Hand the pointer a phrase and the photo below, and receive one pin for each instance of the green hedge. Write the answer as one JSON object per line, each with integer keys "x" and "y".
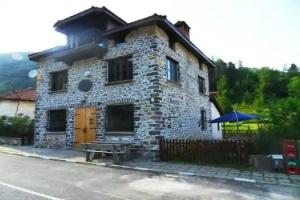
{"x": 17, "y": 126}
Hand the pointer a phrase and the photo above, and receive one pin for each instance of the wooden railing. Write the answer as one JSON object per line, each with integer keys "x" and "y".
{"x": 204, "y": 151}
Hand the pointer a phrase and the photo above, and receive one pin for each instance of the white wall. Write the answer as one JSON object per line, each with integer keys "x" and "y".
{"x": 217, "y": 132}
{"x": 8, "y": 108}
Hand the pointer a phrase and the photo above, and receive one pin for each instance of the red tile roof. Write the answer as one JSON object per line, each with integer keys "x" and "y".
{"x": 213, "y": 93}
{"x": 27, "y": 94}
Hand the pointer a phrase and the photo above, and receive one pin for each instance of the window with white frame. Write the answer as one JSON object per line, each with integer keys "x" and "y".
{"x": 172, "y": 70}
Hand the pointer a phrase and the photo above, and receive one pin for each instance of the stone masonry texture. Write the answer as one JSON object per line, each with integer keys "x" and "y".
{"x": 174, "y": 114}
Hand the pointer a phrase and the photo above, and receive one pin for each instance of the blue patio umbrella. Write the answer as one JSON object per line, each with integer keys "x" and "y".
{"x": 234, "y": 117}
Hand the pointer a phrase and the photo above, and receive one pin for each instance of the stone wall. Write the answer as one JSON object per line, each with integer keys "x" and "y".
{"x": 177, "y": 105}
{"x": 182, "y": 103}
{"x": 10, "y": 141}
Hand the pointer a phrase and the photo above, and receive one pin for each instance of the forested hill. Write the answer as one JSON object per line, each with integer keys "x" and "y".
{"x": 254, "y": 89}
{"x": 14, "y": 68}
{"x": 241, "y": 88}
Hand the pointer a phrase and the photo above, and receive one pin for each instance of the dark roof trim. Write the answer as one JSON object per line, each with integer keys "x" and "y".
{"x": 60, "y": 23}
{"x": 154, "y": 19}
{"x": 188, "y": 44}
{"x": 36, "y": 56}
{"x": 166, "y": 25}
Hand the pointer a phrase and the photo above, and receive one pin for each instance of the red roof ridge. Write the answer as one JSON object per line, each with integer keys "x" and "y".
{"x": 27, "y": 94}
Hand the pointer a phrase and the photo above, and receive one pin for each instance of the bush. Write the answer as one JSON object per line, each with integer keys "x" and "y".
{"x": 16, "y": 126}
{"x": 284, "y": 125}
{"x": 267, "y": 142}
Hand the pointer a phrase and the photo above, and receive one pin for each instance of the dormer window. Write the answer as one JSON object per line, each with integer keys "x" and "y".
{"x": 89, "y": 36}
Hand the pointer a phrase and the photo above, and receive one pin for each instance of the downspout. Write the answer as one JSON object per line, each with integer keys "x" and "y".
{"x": 18, "y": 96}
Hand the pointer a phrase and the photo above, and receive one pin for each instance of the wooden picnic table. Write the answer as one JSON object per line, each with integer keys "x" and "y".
{"x": 119, "y": 151}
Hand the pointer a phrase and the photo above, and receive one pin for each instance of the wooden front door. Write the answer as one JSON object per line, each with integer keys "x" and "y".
{"x": 85, "y": 126}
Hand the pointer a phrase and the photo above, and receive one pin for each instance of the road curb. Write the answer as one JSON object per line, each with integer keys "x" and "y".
{"x": 142, "y": 169}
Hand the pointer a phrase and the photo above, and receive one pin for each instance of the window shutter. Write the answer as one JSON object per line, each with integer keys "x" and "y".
{"x": 178, "y": 73}
{"x": 205, "y": 121}
{"x": 129, "y": 69}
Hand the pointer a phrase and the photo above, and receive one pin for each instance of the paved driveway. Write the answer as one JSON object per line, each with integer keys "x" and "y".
{"x": 31, "y": 178}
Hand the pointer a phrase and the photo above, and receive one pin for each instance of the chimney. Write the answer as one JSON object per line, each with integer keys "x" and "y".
{"x": 183, "y": 28}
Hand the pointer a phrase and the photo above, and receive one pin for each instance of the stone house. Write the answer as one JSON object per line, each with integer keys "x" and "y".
{"x": 113, "y": 80}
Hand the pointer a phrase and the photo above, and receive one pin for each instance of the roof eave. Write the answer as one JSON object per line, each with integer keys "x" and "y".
{"x": 60, "y": 23}
{"x": 38, "y": 55}
{"x": 166, "y": 24}
{"x": 189, "y": 43}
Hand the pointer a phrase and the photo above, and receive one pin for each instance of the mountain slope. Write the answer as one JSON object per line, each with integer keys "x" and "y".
{"x": 14, "y": 68}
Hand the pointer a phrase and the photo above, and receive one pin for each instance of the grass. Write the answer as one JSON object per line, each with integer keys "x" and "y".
{"x": 242, "y": 126}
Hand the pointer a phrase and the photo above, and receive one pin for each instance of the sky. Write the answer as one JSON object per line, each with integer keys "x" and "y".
{"x": 256, "y": 32}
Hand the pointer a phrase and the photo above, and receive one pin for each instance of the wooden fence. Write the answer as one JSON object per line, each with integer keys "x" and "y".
{"x": 240, "y": 135}
{"x": 205, "y": 151}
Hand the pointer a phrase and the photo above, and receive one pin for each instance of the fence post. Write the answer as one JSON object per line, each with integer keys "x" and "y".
{"x": 161, "y": 150}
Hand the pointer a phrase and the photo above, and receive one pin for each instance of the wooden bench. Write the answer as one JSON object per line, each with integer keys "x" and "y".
{"x": 118, "y": 151}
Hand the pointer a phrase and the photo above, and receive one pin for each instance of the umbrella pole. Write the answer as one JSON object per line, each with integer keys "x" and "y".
{"x": 237, "y": 122}
{"x": 224, "y": 133}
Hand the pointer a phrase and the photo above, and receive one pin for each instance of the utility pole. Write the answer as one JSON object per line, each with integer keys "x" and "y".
{"x": 15, "y": 92}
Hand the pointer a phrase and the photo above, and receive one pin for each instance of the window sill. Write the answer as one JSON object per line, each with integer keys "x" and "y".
{"x": 58, "y": 91}
{"x": 119, "y": 133}
{"x": 55, "y": 132}
{"x": 173, "y": 83}
{"x": 118, "y": 82}
{"x": 203, "y": 94}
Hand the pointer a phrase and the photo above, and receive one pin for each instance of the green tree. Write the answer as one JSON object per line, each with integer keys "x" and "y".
{"x": 285, "y": 117}
{"x": 293, "y": 68}
{"x": 293, "y": 71}
{"x": 272, "y": 84}
{"x": 223, "y": 95}
{"x": 294, "y": 87}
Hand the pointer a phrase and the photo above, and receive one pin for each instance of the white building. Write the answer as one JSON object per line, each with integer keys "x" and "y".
{"x": 21, "y": 102}
{"x": 215, "y": 113}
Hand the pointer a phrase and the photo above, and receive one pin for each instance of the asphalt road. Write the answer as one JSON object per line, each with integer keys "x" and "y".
{"x": 35, "y": 179}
